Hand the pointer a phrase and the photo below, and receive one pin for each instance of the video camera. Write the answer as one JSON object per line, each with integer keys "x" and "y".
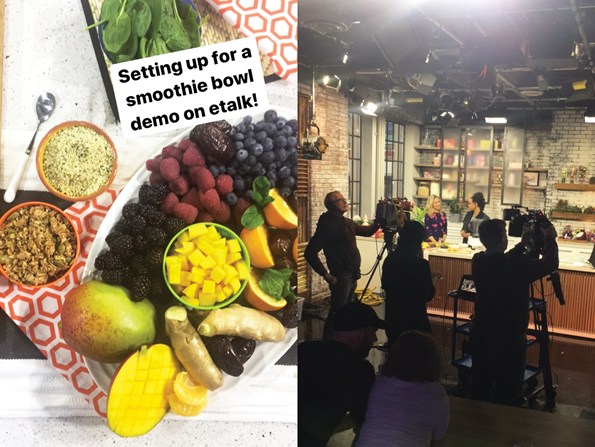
{"x": 535, "y": 246}
{"x": 391, "y": 214}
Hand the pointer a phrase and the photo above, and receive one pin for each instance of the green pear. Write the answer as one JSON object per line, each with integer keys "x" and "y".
{"x": 103, "y": 323}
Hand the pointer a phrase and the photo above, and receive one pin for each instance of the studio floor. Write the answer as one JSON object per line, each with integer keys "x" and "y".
{"x": 572, "y": 360}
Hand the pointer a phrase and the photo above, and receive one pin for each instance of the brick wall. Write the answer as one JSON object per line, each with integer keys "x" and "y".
{"x": 332, "y": 172}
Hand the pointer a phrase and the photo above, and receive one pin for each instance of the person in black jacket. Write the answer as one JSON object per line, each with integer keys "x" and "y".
{"x": 408, "y": 283}
{"x": 334, "y": 376}
{"x": 498, "y": 328}
{"x": 474, "y": 217}
{"x": 336, "y": 236}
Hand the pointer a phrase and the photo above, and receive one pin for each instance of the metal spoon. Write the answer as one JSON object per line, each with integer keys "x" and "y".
{"x": 44, "y": 107}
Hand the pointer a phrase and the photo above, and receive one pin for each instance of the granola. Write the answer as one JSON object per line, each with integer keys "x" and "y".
{"x": 37, "y": 245}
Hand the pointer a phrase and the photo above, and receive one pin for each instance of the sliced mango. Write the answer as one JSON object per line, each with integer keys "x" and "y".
{"x": 233, "y": 257}
{"x": 174, "y": 273}
{"x": 234, "y": 246}
{"x": 243, "y": 271}
{"x": 208, "y": 263}
{"x": 205, "y": 247}
{"x": 217, "y": 274}
{"x": 213, "y": 233}
{"x": 207, "y": 299}
{"x": 197, "y": 230}
{"x": 196, "y": 257}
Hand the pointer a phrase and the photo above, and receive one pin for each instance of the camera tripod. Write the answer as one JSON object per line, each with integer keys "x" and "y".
{"x": 386, "y": 246}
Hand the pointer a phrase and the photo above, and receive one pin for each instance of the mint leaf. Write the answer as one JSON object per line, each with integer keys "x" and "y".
{"x": 288, "y": 293}
{"x": 273, "y": 283}
{"x": 257, "y": 198}
{"x": 267, "y": 200}
{"x": 252, "y": 218}
{"x": 262, "y": 186}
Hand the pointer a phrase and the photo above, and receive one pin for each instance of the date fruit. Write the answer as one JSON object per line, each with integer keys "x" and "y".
{"x": 243, "y": 348}
{"x": 223, "y": 355}
{"x": 290, "y": 315}
{"x": 280, "y": 243}
{"x": 214, "y": 142}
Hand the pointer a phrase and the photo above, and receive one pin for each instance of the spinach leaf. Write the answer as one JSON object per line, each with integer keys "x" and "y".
{"x": 201, "y": 23}
{"x": 143, "y": 44}
{"x": 253, "y": 217}
{"x": 123, "y": 58}
{"x": 117, "y": 31}
{"x": 156, "y": 15}
{"x": 130, "y": 6}
{"x": 158, "y": 47}
{"x": 128, "y": 51}
{"x": 191, "y": 27}
{"x": 142, "y": 19}
{"x": 174, "y": 34}
{"x": 109, "y": 10}
{"x": 167, "y": 7}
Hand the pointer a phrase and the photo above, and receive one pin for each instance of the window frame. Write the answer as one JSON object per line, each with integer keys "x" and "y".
{"x": 397, "y": 165}
{"x": 355, "y": 203}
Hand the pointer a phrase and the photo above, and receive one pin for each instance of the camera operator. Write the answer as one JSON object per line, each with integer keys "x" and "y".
{"x": 498, "y": 328}
{"x": 336, "y": 236}
{"x": 474, "y": 217}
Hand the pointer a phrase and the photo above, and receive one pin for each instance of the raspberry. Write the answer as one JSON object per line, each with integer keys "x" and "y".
{"x": 223, "y": 214}
{"x": 153, "y": 164}
{"x": 240, "y": 207}
{"x": 204, "y": 216}
{"x": 192, "y": 198}
{"x": 224, "y": 184}
{"x": 180, "y": 185}
{"x": 185, "y": 144}
{"x": 167, "y": 206}
{"x": 185, "y": 212}
{"x": 203, "y": 179}
{"x": 210, "y": 200}
{"x": 193, "y": 157}
{"x": 172, "y": 152}
{"x": 157, "y": 179}
{"x": 170, "y": 169}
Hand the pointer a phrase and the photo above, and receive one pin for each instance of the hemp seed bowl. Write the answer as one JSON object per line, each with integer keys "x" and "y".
{"x": 39, "y": 244}
{"x": 76, "y": 161}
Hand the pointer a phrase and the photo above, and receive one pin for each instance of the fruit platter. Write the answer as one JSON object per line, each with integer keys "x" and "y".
{"x": 189, "y": 290}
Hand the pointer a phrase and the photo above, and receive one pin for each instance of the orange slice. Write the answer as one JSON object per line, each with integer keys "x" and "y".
{"x": 257, "y": 244}
{"x": 183, "y": 409}
{"x": 279, "y": 214}
{"x": 187, "y": 391}
{"x": 258, "y": 297}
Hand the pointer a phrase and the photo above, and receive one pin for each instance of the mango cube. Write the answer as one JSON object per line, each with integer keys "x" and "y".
{"x": 243, "y": 272}
{"x": 230, "y": 272}
{"x": 196, "y": 257}
{"x": 192, "y": 301}
{"x": 213, "y": 233}
{"x": 207, "y": 299}
{"x": 187, "y": 248}
{"x": 205, "y": 247}
{"x": 183, "y": 262}
{"x": 219, "y": 294}
{"x": 235, "y": 285}
{"x": 234, "y": 246}
{"x": 208, "y": 263}
{"x": 219, "y": 243}
{"x": 196, "y": 278}
{"x": 197, "y": 230}
{"x": 191, "y": 290}
{"x": 208, "y": 286}
{"x": 184, "y": 281}
{"x": 173, "y": 273}
{"x": 220, "y": 255}
{"x": 178, "y": 289}
{"x": 228, "y": 291}
{"x": 217, "y": 274}
{"x": 233, "y": 257}
{"x": 171, "y": 260}
{"x": 184, "y": 237}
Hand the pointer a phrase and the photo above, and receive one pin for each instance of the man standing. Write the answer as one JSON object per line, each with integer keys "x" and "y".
{"x": 334, "y": 377}
{"x": 498, "y": 328}
{"x": 474, "y": 217}
{"x": 335, "y": 235}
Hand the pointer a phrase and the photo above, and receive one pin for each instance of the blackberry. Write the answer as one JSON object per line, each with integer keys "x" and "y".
{"x": 158, "y": 193}
{"x": 123, "y": 226}
{"x": 130, "y": 210}
{"x": 144, "y": 194}
{"x": 112, "y": 237}
{"x": 146, "y": 210}
{"x": 156, "y": 236}
{"x": 173, "y": 225}
{"x": 113, "y": 277}
{"x": 155, "y": 217}
{"x": 127, "y": 276}
{"x": 139, "y": 265}
{"x": 141, "y": 288}
{"x": 101, "y": 260}
{"x": 108, "y": 261}
{"x": 122, "y": 246}
{"x": 154, "y": 257}
{"x": 140, "y": 243}
{"x": 139, "y": 224}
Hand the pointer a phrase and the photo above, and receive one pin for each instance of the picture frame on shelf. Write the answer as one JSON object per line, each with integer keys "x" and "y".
{"x": 531, "y": 178}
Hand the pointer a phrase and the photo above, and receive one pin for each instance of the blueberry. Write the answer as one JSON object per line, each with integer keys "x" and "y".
{"x": 248, "y": 194}
{"x": 238, "y": 136}
{"x": 279, "y": 133}
{"x": 289, "y": 181}
{"x": 231, "y": 198}
{"x": 251, "y": 160}
{"x": 259, "y": 136}
{"x": 270, "y": 116}
{"x": 251, "y": 127}
{"x": 238, "y": 145}
{"x": 231, "y": 171}
{"x": 247, "y": 119}
{"x": 242, "y": 155}
{"x": 249, "y": 142}
{"x": 241, "y": 128}
{"x": 231, "y": 132}
{"x": 281, "y": 155}
{"x": 222, "y": 169}
{"x": 293, "y": 159}
{"x": 280, "y": 141}
{"x": 257, "y": 150}
{"x": 281, "y": 122}
{"x": 284, "y": 171}
{"x": 259, "y": 126}
{"x": 292, "y": 141}
{"x": 239, "y": 184}
{"x": 287, "y": 130}
{"x": 262, "y": 171}
{"x": 248, "y": 179}
{"x": 250, "y": 134}
{"x": 293, "y": 124}
{"x": 267, "y": 157}
{"x": 285, "y": 191}
{"x": 267, "y": 144}
{"x": 214, "y": 170}
{"x": 273, "y": 166}
{"x": 235, "y": 163}
{"x": 244, "y": 169}
{"x": 294, "y": 171}
{"x": 256, "y": 168}
{"x": 272, "y": 176}
{"x": 292, "y": 150}
{"x": 270, "y": 128}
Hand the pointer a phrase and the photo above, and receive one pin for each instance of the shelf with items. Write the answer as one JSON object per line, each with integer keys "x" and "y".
{"x": 426, "y": 179}
{"x": 415, "y": 196}
{"x": 536, "y": 170}
{"x": 536, "y": 188}
{"x": 426, "y": 165}
{"x": 574, "y": 216}
{"x": 574, "y": 186}
{"x": 513, "y": 158}
{"x": 426, "y": 148}
{"x": 478, "y": 160}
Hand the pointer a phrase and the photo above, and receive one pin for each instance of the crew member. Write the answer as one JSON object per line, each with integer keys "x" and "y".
{"x": 335, "y": 235}
{"x": 334, "y": 376}
{"x": 474, "y": 217}
{"x": 498, "y": 328}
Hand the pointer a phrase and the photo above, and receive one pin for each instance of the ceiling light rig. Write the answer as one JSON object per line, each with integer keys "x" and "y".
{"x": 345, "y": 57}
{"x": 369, "y": 108}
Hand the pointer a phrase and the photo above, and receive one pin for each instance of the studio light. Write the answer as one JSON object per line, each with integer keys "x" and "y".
{"x": 345, "y": 57}
{"x": 326, "y": 79}
{"x": 590, "y": 115}
{"x": 332, "y": 82}
{"x": 369, "y": 108}
{"x": 496, "y": 120}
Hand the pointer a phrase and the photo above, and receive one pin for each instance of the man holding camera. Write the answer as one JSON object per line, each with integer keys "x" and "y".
{"x": 335, "y": 235}
{"x": 498, "y": 328}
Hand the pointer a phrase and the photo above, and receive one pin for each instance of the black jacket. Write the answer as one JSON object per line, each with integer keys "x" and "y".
{"x": 467, "y": 220}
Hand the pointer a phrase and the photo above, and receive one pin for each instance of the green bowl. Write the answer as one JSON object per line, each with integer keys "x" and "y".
{"x": 227, "y": 234}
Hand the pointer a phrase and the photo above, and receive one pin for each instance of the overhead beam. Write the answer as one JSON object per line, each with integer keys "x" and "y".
{"x": 581, "y": 30}
{"x": 514, "y": 88}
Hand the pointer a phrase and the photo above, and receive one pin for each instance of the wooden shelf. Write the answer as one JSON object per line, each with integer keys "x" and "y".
{"x": 574, "y": 216}
{"x": 421, "y": 197}
{"x": 496, "y": 168}
{"x": 426, "y": 148}
{"x": 496, "y": 185}
{"x": 536, "y": 170}
{"x": 498, "y": 150}
{"x": 422, "y": 165}
{"x": 479, "y": 150}
{"x": 536, "y": 188}
{"x": 574, "y": 186}
{"x": 424, "y": 179}
{"x": 479, "y": 167}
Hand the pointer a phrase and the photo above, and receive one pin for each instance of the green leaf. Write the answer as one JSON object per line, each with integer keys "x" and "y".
{"x": 261, "y": 185}
{"x": 143, "y": 44}
{"x": 128, "y": 51}
{"x": 252, "y": 218}
{"x": 288, "y": 294}
{"x": 117, "y": 32}
{"x": 156, "y": 14}
{"x": 267, "y": 200}
{"x": 191, "y": 27}
{"x": 274, "y": 282}
{"x": 257, "y": 198}
{"x": 130, "y": 4}
{"x": 201, "y": 23}
{"x": 142, "y": 18}
{"x": 174, "y": 35}
{"x": 110, "y": 10}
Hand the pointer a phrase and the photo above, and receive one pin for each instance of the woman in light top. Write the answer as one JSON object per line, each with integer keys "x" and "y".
{"x": 435, "y": 221}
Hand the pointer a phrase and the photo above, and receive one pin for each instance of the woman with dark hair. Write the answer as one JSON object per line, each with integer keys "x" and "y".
{"x": 474, "y": 217}
{"x": 407, "y": 407}
{"x": 408, "y": 283}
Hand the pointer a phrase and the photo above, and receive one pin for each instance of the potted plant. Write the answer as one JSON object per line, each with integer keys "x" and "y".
{"x": 455, "y": 211}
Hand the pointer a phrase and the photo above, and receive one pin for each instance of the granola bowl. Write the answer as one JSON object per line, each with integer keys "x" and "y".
{"x": 39, "y": 245}
{"x": 76, "y": 161}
